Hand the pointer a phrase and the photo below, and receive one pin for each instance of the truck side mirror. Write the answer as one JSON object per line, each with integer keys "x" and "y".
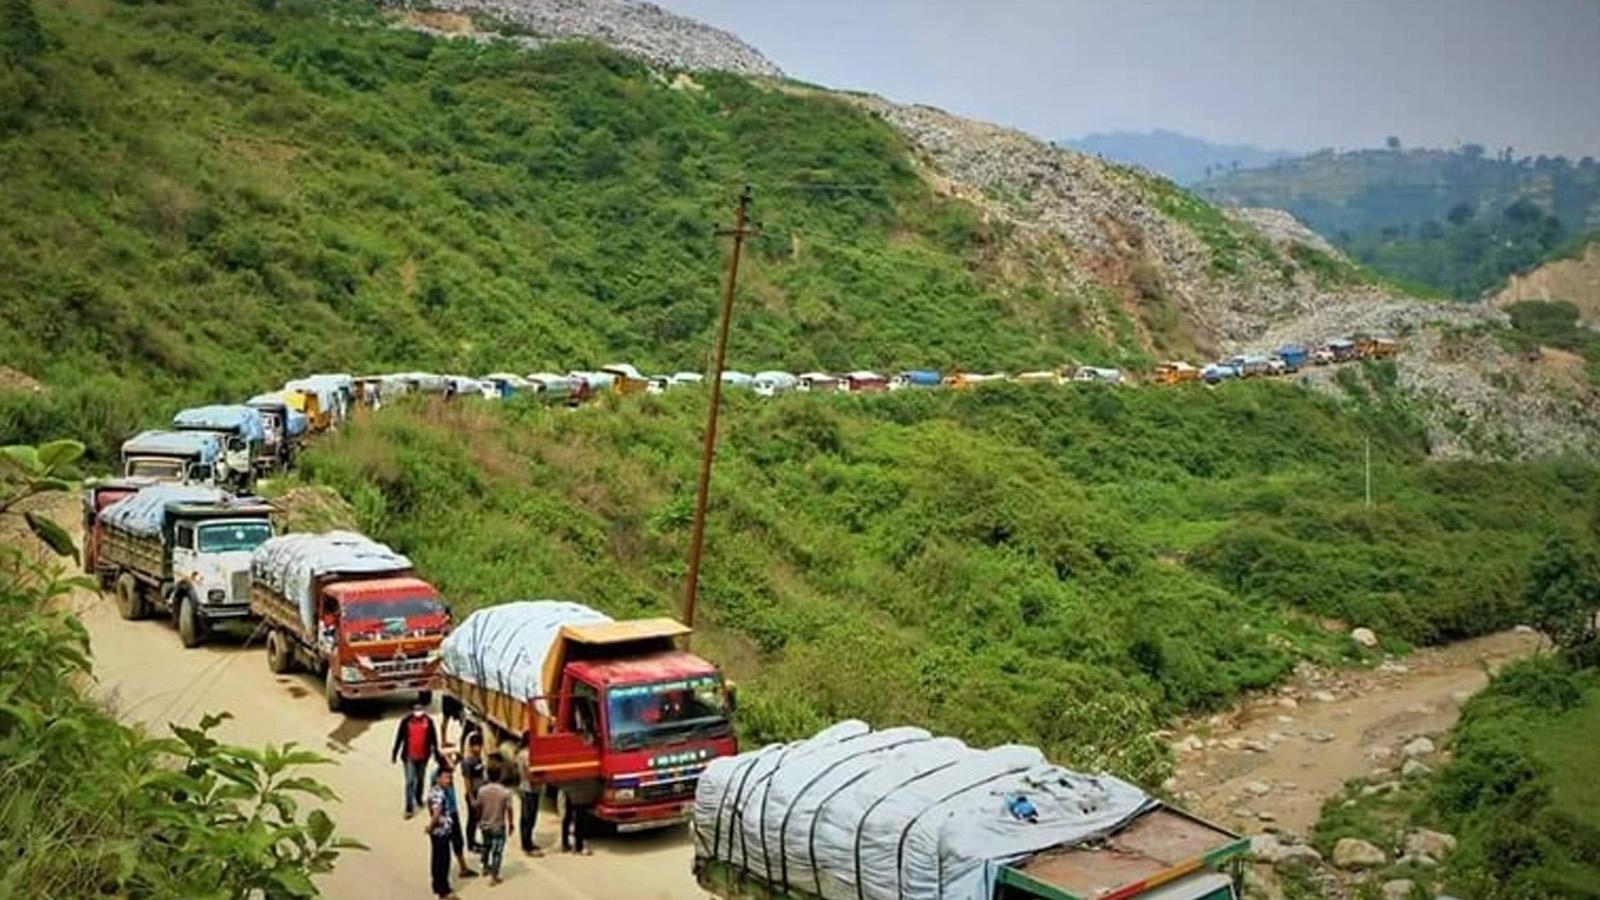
{"x": 733, "y": 698}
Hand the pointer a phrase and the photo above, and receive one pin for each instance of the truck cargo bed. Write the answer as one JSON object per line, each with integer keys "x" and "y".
{"x": 1155, "y": 844}
{"x": 500, "y": 709}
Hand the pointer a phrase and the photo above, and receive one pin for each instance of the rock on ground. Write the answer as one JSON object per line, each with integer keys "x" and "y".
{"x": 1415, "y": 769}
{"x": 1398, "y": 889}
{"x": 1365, "y": 637}
{"x": 1434, "y": 844}
{"x": 1354, "y": 853}
{"x": 1418, "y": 748}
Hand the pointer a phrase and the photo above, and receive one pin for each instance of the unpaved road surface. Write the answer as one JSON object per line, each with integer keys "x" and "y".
{"x": 1325, "y": 728}
{"x": 147, "y": 676}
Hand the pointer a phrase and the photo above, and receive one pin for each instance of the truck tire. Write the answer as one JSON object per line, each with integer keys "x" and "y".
{"x": 330, "y": 689}
{"x": 279, "y": 659}
{"x": 191, "y": 631}
{"x": 130, "y": 600}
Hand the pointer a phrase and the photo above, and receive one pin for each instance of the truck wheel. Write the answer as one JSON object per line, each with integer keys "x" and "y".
{"x": 330, "y": 687}
{"x": 279, "y": 659}
{"x": 191, "y": 631}
{"x": 130, "y": 602}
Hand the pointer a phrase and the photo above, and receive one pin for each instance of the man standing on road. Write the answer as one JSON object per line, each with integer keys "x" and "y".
{"x": 579, "y": 797}
{"x": 456, "y": 844}
{"x": 438, "y": 830}
{"x": 494, "y": 803}
{"x": 472, "y": 767}
{"x": 450, "y": 709}
{"x": 528, "y": 790}
{"x": 419, "y": 742}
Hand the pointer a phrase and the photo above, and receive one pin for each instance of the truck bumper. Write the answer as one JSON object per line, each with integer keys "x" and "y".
{"x": 239, "y": 613}
{"x": 360, "y": 690}
{"x": 645, "y": 817}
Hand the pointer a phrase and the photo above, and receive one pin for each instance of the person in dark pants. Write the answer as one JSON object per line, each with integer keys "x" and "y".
{"x": 454, "y": 808}
{"x": 418, "y": 740}
{"x": 439, "y": 828}
{"x": 528, "y": 790}
{"x": 580, "y": 797}
{"x": 472, "y": 769}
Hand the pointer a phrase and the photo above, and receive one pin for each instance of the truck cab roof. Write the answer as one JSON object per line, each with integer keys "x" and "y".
{"x": 237, "y": 508}
{"x": 382, "y": 588}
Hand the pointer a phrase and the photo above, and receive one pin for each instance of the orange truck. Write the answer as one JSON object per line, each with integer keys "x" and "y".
{"x": 591, "y": 698}
{"x": 350, "y": 609}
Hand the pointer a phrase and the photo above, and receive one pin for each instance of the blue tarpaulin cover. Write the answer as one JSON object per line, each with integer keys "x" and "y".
{"x": 245, "y": 420}
{"x": 897, "y": 814}
{"x": 143, "y": 513}
{"x": 295, "y": 422}
{"x": 205, "y": 447}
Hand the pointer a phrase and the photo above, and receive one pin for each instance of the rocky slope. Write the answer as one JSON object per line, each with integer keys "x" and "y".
{"x": 641, "y": 29}
{"x": 1241, "y": 285}
{"x": 1576, "y": 281}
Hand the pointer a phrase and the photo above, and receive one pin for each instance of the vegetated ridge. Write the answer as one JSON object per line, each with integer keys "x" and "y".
{"x": 344, "y": 195}
{"x": 1458, "y": 222}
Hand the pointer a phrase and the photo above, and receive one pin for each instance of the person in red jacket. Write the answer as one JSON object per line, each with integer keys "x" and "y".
{"x": 418, "y": 742}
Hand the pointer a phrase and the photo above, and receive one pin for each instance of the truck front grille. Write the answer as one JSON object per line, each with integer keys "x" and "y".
{"x": 241, "y": 587}
{"x": 400, "y": 668}
{"x": 668, "y": 790}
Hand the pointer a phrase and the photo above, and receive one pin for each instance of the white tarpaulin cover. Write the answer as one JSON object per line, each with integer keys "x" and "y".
{"x": 898, "y": 814}
{"x": 291, "y": 563}
{"x": 143, "y": 513}
{"x": 504, "y": 647}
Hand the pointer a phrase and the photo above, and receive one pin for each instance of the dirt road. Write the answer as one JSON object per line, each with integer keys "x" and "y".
{"x": 147, "y": 676}
{"x": 1274, "y": 761}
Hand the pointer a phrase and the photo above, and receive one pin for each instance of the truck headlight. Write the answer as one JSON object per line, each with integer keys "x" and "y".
{"x": 216, "y": 595}
{"x": 350, "y": 674}
{"x": 622, "y": 794}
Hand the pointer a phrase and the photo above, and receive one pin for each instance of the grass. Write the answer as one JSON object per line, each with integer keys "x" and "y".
{"x": 1066, "y": 567}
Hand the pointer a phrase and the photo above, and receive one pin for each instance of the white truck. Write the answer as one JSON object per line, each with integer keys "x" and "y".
{"x": 181, "y": 549}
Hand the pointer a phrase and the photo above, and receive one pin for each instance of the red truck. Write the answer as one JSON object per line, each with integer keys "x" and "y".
{"x": 593, "y": 698}
{"x": 351, "y": 610}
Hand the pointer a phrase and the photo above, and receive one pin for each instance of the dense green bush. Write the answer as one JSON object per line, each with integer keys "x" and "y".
{"x": 90, "y": 807}
{"x": 1012, "y": 563}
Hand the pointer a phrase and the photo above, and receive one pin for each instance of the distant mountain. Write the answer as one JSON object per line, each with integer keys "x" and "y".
{"x": 1182, "y": 158}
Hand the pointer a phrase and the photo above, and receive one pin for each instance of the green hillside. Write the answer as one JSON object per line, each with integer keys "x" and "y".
{"x": 206, "y": 198}
{"x": 1458, "y": 221}
{"x": 1065, "y": 567}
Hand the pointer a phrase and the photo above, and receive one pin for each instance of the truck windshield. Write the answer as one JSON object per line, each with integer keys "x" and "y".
{"x": 666, "y": 712}
{"x": 160, "y": 469}
{"x": 380, "y": 610}
{"x": 229, "y": 537}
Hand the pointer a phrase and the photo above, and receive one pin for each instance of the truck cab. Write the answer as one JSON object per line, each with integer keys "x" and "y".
{"x": 644, "y": 723}
{"x": 210, "y": 555}
{"x": 173, "y": 457}
{"x": 381, "y": 634}
{"x": 242, "y": 432}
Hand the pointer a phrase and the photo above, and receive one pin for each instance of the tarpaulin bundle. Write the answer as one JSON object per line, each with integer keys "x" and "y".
{"x": 504, "y": 647}
{"x": 290, "y": 564}
{"x": 898, "y": 814}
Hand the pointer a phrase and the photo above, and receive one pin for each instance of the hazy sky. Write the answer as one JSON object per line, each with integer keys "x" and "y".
{"x": 1291, "y": 74}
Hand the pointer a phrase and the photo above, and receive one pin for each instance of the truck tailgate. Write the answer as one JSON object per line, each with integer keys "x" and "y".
{"x": 1158, "y": 847}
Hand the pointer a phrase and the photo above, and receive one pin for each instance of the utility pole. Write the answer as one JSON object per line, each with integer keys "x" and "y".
{"x": 697, "y": 539}
{"x": 1369, "y": 471}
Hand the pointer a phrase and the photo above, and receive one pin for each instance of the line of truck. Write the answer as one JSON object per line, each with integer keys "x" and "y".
{"x": 617, "y": 703}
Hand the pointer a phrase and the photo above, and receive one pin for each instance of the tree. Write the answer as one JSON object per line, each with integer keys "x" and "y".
{"x": 1393, "y": 143}
{"x": 1460, "y": 214}
{"x": 188, "y": 816}
{"x": 1472, "y": 151}
{"x": 1563, "y": 591}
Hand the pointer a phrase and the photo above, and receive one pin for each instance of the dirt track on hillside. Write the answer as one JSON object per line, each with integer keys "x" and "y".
{"x": 1326, "y": 728}
{"x": 146, "y": 676}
